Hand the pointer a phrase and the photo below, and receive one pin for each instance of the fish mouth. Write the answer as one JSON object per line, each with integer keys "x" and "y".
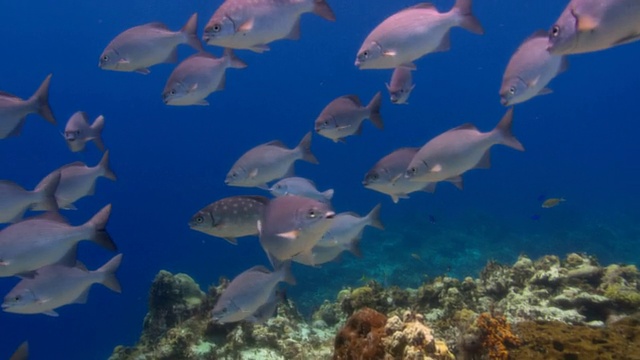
{"x": 5, "y": 306}
{"x": 504, "y": 101}
{"x": 394, "y": 100}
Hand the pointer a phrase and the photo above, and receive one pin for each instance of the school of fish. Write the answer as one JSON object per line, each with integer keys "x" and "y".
{"x": 299, "y": 224}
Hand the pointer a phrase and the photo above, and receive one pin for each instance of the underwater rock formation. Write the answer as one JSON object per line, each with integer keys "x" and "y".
{"x": 543, "y": 309}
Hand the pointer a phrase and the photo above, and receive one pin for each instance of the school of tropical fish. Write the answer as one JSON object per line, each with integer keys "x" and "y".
{"x": 299, "y": 224}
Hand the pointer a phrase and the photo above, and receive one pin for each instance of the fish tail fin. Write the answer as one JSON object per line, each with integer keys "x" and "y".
{"x": 305, "y": 148}
{"x": 374, "y": 111}
{"x": 99, "y": 223}
{"x": 40, "y": 101}
{"x": 234, "y": 61}
{"x": 374, "y": 217}
{"x": 106, "y": 168}
{"x": 190, "y": 31}
{"x": 285, "y": 268}
{"x": 98, "y": 126}
{"x": 322, "y": 9}
{"x": 108, "y": 271}
{"x": 468, "y": 20}
{"x": 504, "y": 131}
{"x": 48, "y": 200}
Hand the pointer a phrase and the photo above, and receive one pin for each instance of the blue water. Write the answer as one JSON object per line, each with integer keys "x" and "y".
{"x": 581, "y": 144}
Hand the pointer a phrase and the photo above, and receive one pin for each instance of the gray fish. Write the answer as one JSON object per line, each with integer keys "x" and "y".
{"x": 45, "y": 239}
{"x": 268, "y": 162}
{"x": 344, "y": 234}
{"x": 252, "y": 24}
{"x": 14, "y": 110}
{"x": 231, "y": 217}
{"x": 146, "y": 45}
{"x": 593, "y": 25}
{"x": 301, "y": 187}
{"x": 530, "y": 69}
{"x": 452, "y": 153}
{"x": 387, "y": 176}
{"x": 248, "y": 292}
{"x": 197, "y": 77}
{"x": 77, "y": 181}
{"x": 412, "y": 33}
{"x": 15, "y": 200}
{"x": 57, "y": 285}
{"x": 344, "y": 116}
{"x": 291, "y": 226}
{"x": 401, "y": 85}
{"x": 78, "y": 132}
{"x": 22, "y": 353}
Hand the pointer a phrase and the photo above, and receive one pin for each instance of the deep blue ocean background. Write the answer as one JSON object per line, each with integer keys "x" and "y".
{"x": 581, "y": 143}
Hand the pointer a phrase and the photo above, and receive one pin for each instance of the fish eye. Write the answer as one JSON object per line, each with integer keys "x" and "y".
{"x": 512, "y": 90}
{"x": 199, "y": 219}
{"x": 555, "y": 31}
{"x": 173, "y": 92}
{"x": 77, "y": 132}
{"x": 216, "y": 28}
{"x": 105, "y": 58}
{"x": 401, "y": 90}
{"x": 413, "y": 170}
{"x": 17, "y": 298}
{"x": 311, "y": 214}
{"x": 365, "y": 53}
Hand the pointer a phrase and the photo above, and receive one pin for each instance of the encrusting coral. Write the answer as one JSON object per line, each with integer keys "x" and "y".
{"x": 551, "y": 308}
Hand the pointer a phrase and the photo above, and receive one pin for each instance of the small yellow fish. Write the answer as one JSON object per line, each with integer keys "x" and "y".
{"x": 549, "y": 203}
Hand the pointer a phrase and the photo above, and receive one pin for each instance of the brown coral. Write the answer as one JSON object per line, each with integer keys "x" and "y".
{"x": 496, "y": 335}
{"x": 361, "y": 337}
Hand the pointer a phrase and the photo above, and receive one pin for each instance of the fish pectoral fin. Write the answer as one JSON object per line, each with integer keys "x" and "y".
{"x": 291, "y": 235}
{"x": 202, "y": 102}
{"x": 143, "y": 71}
{"x": 43, "y": 301}
{"x": 246, "y": 26}
{"x": 545, "y": 91}
{"x": 533, "y": 82}
{"x": 51, "y": 313}
{"x": 436, "y": 168}
{"x": 396, "y": 178}
{"x": 193, "y": 87}
{"x": 389, "y": 53}
{"x": 123, "y": 61}
{"x": 586, "y": 22}
{"x": 259, "y": 226}
{"x": 259, "y": 48}
{"x": 253, "y": 173}
{"x": 231, "y": 240}
{"x": 4, "y": 263}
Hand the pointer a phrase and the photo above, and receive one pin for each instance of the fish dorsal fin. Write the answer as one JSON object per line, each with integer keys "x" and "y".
{"x": 277, "y": 143}
{"x": 155, "y": 25}
{"x": 260, "y": 268}
{"x": 467, "y": 126}
{"x": 353, "y": 98}
{"x": 421, "y": 6}
{"x": 10, "y": 183}
{"x": 9, "y": 95}
{"x": 50, "y": 216}
{"x": 73, "y": 164}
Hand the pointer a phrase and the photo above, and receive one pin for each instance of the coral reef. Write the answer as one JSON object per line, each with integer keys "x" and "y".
{"x": 570, "y": 308}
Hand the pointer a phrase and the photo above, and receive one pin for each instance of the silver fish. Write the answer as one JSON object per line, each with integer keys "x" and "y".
{"x": 452, "y": 153}
{"x": 248, "y": 292}
{"x": 387, "y": 176}
{"x": 146, "y": 45}
{"x": 412, "y": 33}
{"x": 344, "y": 234}
{"x": 252, "y": 24}
{"x": 57, "y": 285}
{"x": 530, "y": 69}
{"x": 45, "y": 239}
{"x": 197, "y": 77}
{"x": 593, "y": 25}
{"x": 22, "y": 353}
{"x": 15, "y": 200}
{"x": 291, "y": 226}
{"x": 401, "y": 85}
{"x": 14, "y": 110}
{"x": 78, "y": 180}
{"x": 268, "y": 162}
{"x": 301, "y": 187}
{"x": 78, "y": 132}
{"x": 231, "y": 217}
{"x": 344, "y": 116}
